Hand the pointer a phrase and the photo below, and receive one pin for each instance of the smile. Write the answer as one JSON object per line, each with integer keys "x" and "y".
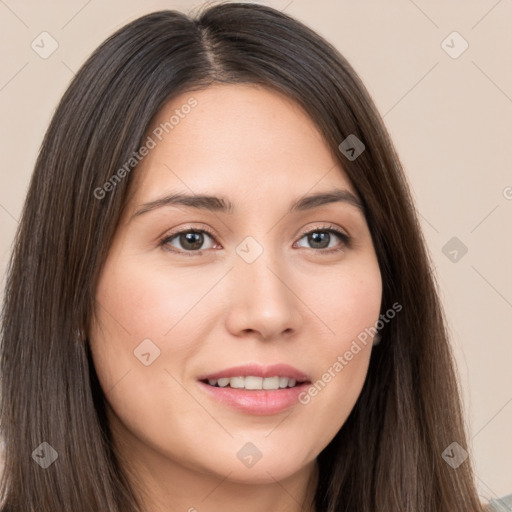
{"x": 253, "y": 382}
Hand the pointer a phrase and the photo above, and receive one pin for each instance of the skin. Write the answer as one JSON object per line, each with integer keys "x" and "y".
{"x": 208, "y": 311}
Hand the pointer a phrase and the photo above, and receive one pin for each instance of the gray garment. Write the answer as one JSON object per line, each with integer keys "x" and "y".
{"x": 500, "y": 505}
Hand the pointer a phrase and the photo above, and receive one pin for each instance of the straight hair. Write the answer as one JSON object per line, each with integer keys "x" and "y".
{"x": 388, "y": 454}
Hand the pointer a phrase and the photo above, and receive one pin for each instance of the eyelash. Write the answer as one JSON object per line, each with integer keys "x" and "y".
{"x": 328, "y": 228}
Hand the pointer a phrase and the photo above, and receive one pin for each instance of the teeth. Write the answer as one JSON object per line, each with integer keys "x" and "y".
{"x": 251, "y": 382}
{"x": 271, "y": 383}
{"x": 223, "y": 382}
{"x": 237, "y": 382}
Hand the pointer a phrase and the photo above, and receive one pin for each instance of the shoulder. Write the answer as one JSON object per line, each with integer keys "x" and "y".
{"x": 500, "y": 505}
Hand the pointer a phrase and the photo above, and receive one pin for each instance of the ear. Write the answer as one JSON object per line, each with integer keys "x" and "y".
{"x": 377, "y": 339}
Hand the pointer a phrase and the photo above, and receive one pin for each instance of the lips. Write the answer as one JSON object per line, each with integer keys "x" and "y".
{"x": 254, "y": 389}
{"x": 253, "y": 370}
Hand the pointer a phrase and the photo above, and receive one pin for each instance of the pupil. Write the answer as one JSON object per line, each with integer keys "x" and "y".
{"x": 193, "y": 240}
{"x": 318, "y": 238}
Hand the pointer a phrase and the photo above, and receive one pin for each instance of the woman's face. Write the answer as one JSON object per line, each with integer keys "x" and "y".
{"x": 266, "y": 287}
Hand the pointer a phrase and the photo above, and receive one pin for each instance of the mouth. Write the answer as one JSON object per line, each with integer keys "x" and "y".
{"x": 253, "y": 382}
{"x": 256, "y": 390}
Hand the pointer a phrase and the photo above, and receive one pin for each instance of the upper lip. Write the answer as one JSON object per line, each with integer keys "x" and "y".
{"x": 273, "y": 370}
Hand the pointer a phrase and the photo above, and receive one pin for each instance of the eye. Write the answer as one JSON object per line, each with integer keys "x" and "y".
{"x": 321, "y": 238}
{"x": 191, "y": 240}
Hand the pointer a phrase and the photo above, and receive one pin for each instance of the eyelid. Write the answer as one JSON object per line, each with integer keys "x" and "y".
{"x": 327, "y": 227}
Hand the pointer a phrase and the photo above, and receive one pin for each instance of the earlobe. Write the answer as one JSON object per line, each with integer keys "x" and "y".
{"x": 377, "y": 339}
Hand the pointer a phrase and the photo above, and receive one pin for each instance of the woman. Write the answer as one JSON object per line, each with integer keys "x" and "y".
{"x": 219, "y": 295}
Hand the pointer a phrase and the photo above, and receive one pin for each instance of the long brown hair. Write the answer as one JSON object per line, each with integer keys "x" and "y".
{"x": 388, "y": 454}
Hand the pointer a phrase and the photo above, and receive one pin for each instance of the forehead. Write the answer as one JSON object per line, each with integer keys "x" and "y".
{"x": 237, "y": 140}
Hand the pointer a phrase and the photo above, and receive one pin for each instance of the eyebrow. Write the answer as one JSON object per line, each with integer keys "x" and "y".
{"x": 224, "y": 205}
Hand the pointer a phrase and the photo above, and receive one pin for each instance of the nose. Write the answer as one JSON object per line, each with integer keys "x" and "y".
{"x": 262, "y": 302}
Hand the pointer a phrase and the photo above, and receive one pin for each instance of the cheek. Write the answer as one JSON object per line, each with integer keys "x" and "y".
{"x": 137, "y": 305}
{"x": 347, "y": 301}
{"x": 356, "y": 303}
{"x": 348, "y": 304}
{"x": 138, "y": 301}
{"x": 135, "y": 308}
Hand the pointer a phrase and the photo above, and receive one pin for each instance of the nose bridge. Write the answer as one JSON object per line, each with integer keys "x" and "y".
{"x": 261, "y": 298}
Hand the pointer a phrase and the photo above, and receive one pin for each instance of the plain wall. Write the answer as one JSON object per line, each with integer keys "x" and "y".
{"x": 450, "y": 119}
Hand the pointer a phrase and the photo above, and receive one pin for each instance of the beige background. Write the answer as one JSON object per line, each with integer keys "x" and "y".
{"x": 450, "y": 118}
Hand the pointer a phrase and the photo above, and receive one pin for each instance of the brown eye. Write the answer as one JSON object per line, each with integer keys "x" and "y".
{"x": 190, "y": 240}
{"x": 325, "y": 238}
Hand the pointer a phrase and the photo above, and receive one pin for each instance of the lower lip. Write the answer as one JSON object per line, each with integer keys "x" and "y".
{"x": 259, "y": 401}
